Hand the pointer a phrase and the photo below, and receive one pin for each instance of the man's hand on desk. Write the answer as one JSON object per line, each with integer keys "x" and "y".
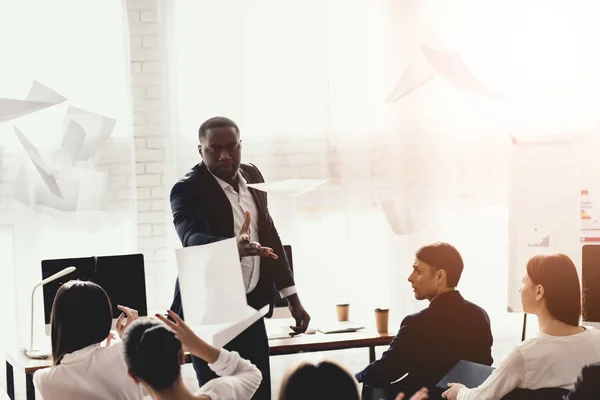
{"x": 299, "y": 313}
{"x": 247, "y": 248}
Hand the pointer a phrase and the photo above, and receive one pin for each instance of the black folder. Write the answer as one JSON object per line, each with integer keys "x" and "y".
{"x": 468, "y": 373}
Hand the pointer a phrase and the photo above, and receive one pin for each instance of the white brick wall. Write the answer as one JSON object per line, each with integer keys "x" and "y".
{"x": 149, "y": 134}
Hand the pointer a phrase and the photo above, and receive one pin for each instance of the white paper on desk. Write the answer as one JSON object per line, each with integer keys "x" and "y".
{"x": 451, "y": 67}
{"x": 289, "y": 187}
{"x": 412, "y": 79}
{"x": 97, "y": 128}
{"x": 39, "y": 163}
{"x": 38, "y": 98}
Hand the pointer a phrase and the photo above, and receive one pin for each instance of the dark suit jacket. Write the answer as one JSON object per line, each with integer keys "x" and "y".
{"x": 429, "y": 343}
{"x": 587, "y": 385}
{"x": 202, "y": 214}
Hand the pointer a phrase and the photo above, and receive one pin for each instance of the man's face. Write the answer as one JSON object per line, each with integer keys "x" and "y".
{"x": 221, "y": 151}
{"x": 424, "y": 280}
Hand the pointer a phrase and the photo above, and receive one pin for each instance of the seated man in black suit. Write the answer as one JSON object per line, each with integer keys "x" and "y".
{"x": 429, "y": 343}
{"x": 587, "y": 385}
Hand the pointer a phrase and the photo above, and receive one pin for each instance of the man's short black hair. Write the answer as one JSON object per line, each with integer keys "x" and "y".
{"x": 444, "y": 256}
{"x": 216, "y": 122}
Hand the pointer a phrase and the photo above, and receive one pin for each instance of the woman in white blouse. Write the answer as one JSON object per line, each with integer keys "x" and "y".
{"x": 554, "y": 358}
{"x": 154, "y": 354}
{"x": 81, "y": 319}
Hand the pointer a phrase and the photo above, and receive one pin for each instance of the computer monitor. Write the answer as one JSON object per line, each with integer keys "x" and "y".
{"x": 121, "y": 276}
{"x": 590, "y": 276}
{"x": 277, "y": 300}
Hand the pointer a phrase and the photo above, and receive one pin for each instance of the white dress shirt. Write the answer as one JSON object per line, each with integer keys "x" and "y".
{"x": 240, "y": 203}
{"x": 238, "y": 378}
{"x": 541, "y": 362}
{"x": 92, "y": 373}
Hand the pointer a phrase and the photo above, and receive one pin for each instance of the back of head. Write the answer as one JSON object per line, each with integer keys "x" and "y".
{"x": 325, "y": 380}
{"x": 444, "y": 256}
{"x": 152, "y": 353}
{"x": 81, "y": 316}
{"x": 557, "y": 274}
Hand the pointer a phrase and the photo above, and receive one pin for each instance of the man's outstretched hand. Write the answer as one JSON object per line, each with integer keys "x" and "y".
{"x": 247, "y": 248}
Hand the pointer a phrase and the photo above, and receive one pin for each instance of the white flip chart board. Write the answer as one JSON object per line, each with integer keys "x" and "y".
{"x": 544, "y": 205}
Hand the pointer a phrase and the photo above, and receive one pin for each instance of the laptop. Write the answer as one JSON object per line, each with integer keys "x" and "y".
{"x": 468, "y": 373}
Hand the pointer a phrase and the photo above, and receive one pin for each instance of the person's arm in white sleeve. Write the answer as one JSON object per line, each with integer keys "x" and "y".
{"x": 509, "y": 375}
{"x": 239, "y": 378}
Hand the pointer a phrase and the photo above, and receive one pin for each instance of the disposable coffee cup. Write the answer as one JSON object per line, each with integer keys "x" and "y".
{"x": 382, "y": 316}
{"x": 343, "y": 312}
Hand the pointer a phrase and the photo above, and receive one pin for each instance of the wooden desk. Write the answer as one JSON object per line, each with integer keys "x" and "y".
{"x": 294, "y": 345}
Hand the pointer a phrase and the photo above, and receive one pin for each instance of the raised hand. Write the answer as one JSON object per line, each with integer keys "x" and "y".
{"x": 189, "y": 340}
{"x": 128, "y": 315}
{"x": 247, "y": 248}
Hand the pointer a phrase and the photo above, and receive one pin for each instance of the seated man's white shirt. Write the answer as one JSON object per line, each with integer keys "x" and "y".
{"x": 92, "y": 373}
{"x": 240, "y": 203}
{"x": 239, "y": 378}
{"x": 541, "y": 362}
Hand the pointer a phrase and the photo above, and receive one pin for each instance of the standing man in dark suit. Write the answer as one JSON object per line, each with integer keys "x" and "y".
{"x": 213, "y": 202}
{"x": 429, "y": 343}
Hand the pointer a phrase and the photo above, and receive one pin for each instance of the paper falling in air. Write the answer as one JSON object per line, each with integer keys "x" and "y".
{"x": 23, "y": 191}
{"x": 412, "y": 79}
{"x": 400, "y": 215}
{"x": 68, "y": 202}
{"x": 213, "y": 293}
{"x": 39, "y": 163}
{"x": 289, "y": 187}
{"x": 38, "y": 98}
{"x": 97, "y": 129}
{"x": 92, "y": 191}
{"x": 451, "y": 67}
{"x": 73, "y": 140}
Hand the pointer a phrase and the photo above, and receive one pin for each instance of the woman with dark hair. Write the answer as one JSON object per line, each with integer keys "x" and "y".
{"x": 154, "y": 354}
{"x": 81, "y": 319}
{"x": 324, "y": 381}
{"x": 554, "y": 358}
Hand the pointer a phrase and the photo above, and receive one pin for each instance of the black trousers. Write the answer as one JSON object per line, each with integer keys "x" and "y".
{"x": 253, "y": 345}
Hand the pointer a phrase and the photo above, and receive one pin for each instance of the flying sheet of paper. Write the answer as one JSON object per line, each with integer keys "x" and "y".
{"x": 68, "y": 202}
{"x": 38, "y": 98}
{"x": 73, "y": 140}
{"x": 221, "y": 334}
{"x": 93, "y": 190}
{"x": 451, "y": 67}
{"x": 66, "y": 155}
{"x": 212, "y": 290}
{"x": 412, "y": 78}
{"x": 39, "y": 163}
{"x": 289, "y": 187}
{"x": 97, "y": 128}
{"x": 23, "y": 191}
{"x": 400, "y": 215}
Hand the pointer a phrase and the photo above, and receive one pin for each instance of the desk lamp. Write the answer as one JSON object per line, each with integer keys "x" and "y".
{"x": 40, "y": 354}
